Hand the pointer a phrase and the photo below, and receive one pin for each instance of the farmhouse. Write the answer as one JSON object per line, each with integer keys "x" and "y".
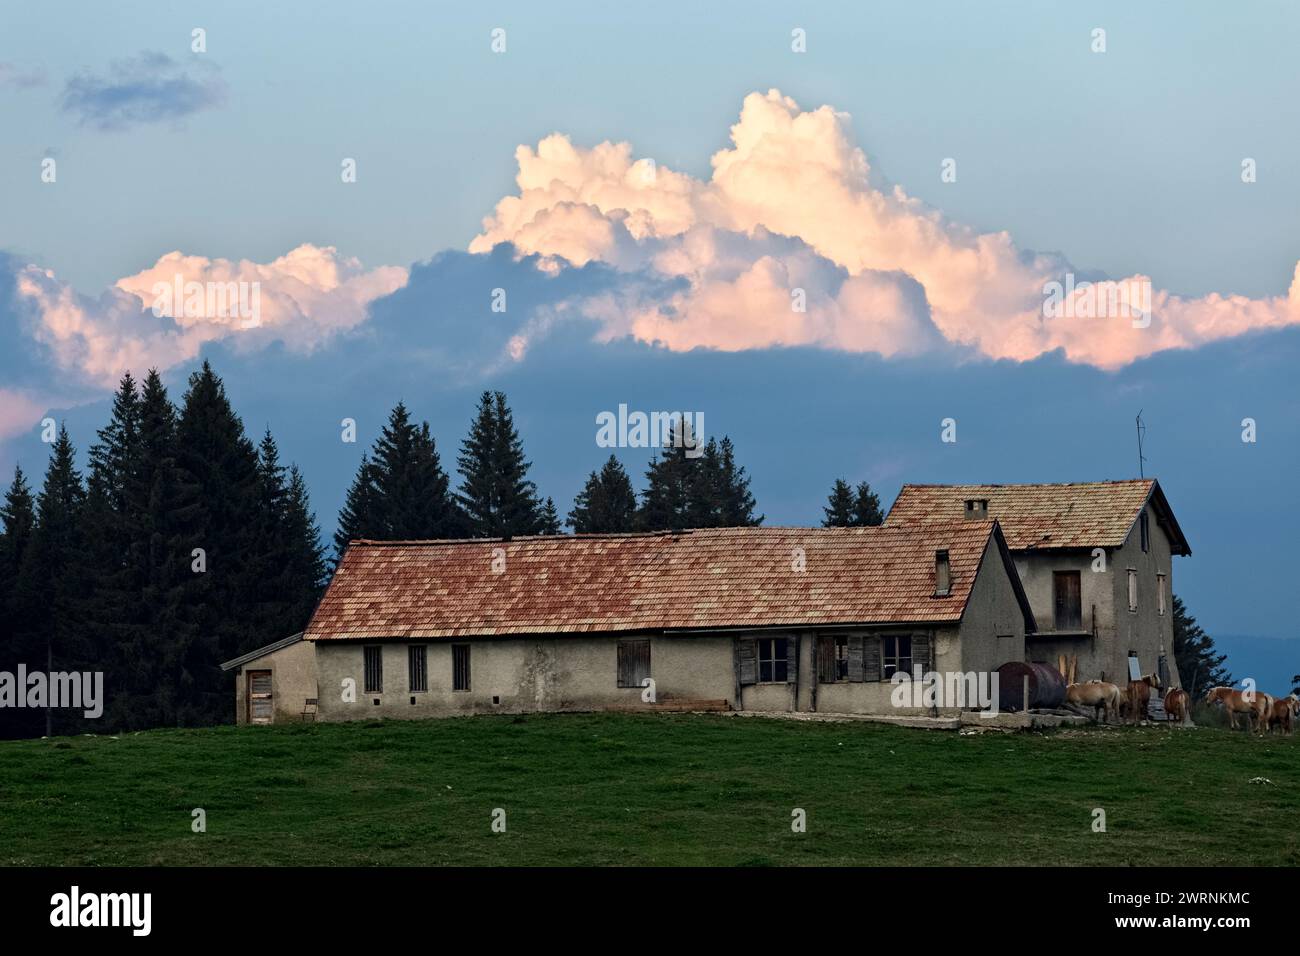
{"x": 768, "y": 619}
{"x": 1095, "y": 560}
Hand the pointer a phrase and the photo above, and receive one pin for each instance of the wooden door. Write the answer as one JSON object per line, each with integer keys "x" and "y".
{"x": 261, "y": 708}
{"x": 1068, "y": 605}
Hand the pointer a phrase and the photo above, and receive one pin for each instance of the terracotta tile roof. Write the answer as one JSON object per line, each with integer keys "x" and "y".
{"x": 703, "y": 579}
{"x": 1039, "y": 517}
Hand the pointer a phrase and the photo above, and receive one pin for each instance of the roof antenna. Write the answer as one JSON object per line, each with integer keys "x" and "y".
{"x": 1141, "y": 430}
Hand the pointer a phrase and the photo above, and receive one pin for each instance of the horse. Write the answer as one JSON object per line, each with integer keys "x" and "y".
{"x": 1102, "y": 697}
{"x": 1177, "y": 704}
{"x": 1139, "y": 693}
{"x": 1254, "y": 704}
{"x": 1283, "y": 713}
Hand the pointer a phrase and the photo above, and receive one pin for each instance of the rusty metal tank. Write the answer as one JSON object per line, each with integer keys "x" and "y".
{"x": 1046, "y": 686}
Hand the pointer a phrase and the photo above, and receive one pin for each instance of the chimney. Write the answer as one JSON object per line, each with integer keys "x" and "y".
{"x": 942, "y": 574}
{"x": 977, "y": 509}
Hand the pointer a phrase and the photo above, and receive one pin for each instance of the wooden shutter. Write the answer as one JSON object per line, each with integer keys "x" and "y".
{"x": 792, "y": 659}
{"x": 747, "y": 660}
{"x": 855, "y": 658}
{"x": 827, "y": 670}
{"x": 870, "y": 659}
{"x": 633, "y": 662}
{"x": 921, "y": 651}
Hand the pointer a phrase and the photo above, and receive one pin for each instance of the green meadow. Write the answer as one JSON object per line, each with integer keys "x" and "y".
{"x": 631, "y": 789}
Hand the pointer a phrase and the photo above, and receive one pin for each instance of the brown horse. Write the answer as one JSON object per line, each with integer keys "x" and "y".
{"x": 1139, "y": 693}
{"x": 1102, "y": 697}
{"x": 1283, "y": 713}
{"x": 1254, "y": 704}
{"x": 1177, "y": 704}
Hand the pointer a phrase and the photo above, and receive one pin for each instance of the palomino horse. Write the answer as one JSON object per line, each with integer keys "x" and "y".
{"x": 1102, "y": 697}
{"x": 1139, "y": 693}
{"x": 1254, "y": 704}
{"x": 1177, "y": 704}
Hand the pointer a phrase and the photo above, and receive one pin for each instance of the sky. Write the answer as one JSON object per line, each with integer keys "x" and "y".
{"x": 648, "y": 188}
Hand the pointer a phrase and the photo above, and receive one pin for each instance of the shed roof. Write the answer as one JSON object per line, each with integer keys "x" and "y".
{"x": 672, "y": 581}
{"x": 262, "y": 651}
{"x": 1046, "y": 516}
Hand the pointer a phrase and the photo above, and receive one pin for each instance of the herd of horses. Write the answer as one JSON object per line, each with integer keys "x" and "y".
{"x": 1264, "y": 713}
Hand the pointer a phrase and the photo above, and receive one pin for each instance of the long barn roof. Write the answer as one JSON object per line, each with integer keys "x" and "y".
{"x": 671, "y": 581}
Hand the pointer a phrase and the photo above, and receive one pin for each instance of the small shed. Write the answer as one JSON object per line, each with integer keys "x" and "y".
{"x": 275, "y": 683}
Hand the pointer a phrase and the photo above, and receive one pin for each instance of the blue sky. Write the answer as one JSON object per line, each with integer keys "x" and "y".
{"x": 1109, "y": 164}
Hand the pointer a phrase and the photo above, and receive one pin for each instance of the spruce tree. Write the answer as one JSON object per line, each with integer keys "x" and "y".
{"x": 736, "y": 502}
{"x": 549, "y": 522}
{"x": 412, "y": 491}
{"x": 498, "y": 499}
{"x": 359, "y": 517}
{"x": 839, "y": 506}
{"x": 607, "y": 502}
{"x": 17, "y": 527}
{"x": 666, "y": 501}
{"x": 866, "y": 507}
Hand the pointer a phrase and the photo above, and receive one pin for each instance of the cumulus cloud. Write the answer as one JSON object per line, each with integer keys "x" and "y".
{"x": 149, "y": 88}
{"x": 791, "y": 205}
{"x": 162, "y": 316}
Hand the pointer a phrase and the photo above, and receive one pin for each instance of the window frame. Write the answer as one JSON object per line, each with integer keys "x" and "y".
{"x": 942, "y": 583}
{"x": 780, "y": 658}
{"x": 1161, "y": 580}
{"x": 1076, "y": 622}
{"x": 894, "y": 660}
{"x": 1132, "y": 590}
{"x": 377, "y": 687}
{"x": 418, "y": 675}
{"x": 1144, "y": 531}
{"x": 461, "y": 653}
{"x": 624, "y": 647}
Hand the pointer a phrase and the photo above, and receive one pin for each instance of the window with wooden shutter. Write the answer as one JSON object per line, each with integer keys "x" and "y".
{"x": 747, "y": 660}
{"x": 857, "y": 659}
{"x": 460, "y": 667}
{"x": 1160, "y": 592}
{"x": 826, "y": 671}
{"x": 633, "y": 662}
{"x": 773, "y": 660}
{"x": 792, "y": 660}
{"x": 1132, "y": 589}
{"x": 1067, "y": 600}
{"x": 895, "y": 655}
{"x": 374, "y": 669}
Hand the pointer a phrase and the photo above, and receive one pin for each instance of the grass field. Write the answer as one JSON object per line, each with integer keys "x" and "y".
{"x": 648, "y": 789}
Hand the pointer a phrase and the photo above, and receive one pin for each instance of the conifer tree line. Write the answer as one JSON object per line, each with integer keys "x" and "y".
{"x": 183, "y": 545}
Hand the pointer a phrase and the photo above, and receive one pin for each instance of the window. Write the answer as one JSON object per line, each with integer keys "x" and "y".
{"x": 633, "y": 662}
{"x": 460, "y": 667}
{"x": 1067, "y": 600}
{"x": 1160, "y": 592}
{"x": 1132, "y": 589}
{"x": 942, "y": 574}
{"x": 417, "y": 671}
{"x": 895, "y": 655}
{"x": 773, "y": 665}
{"x": 1144, "y": 528}
{"x": 374, "y": 670}
{"x": 832, "y": 658}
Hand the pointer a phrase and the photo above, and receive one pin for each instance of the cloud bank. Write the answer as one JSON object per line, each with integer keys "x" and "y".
{"x": 149, "y": 88}
{"x": 304, "y": 298}
{"x": 792, "y": 208}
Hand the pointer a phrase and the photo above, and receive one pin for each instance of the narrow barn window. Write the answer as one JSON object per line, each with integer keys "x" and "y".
{"x": 942, "y": 574}
{"x": 417, "y": 669}
{"x": 460, "y": 667}
{"x": 633, "y": 662}
{"x": 1067, "y": 600}
{"x": 1132, "y": 589}
{"x": 842, "y": 657}
{"x": 895, "y": 655}
{"x": 772, "y": 662}
{"x": 374, "y": 670}
{"x": 1144, "y": 529}
{"x": 1160, "y": 592}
